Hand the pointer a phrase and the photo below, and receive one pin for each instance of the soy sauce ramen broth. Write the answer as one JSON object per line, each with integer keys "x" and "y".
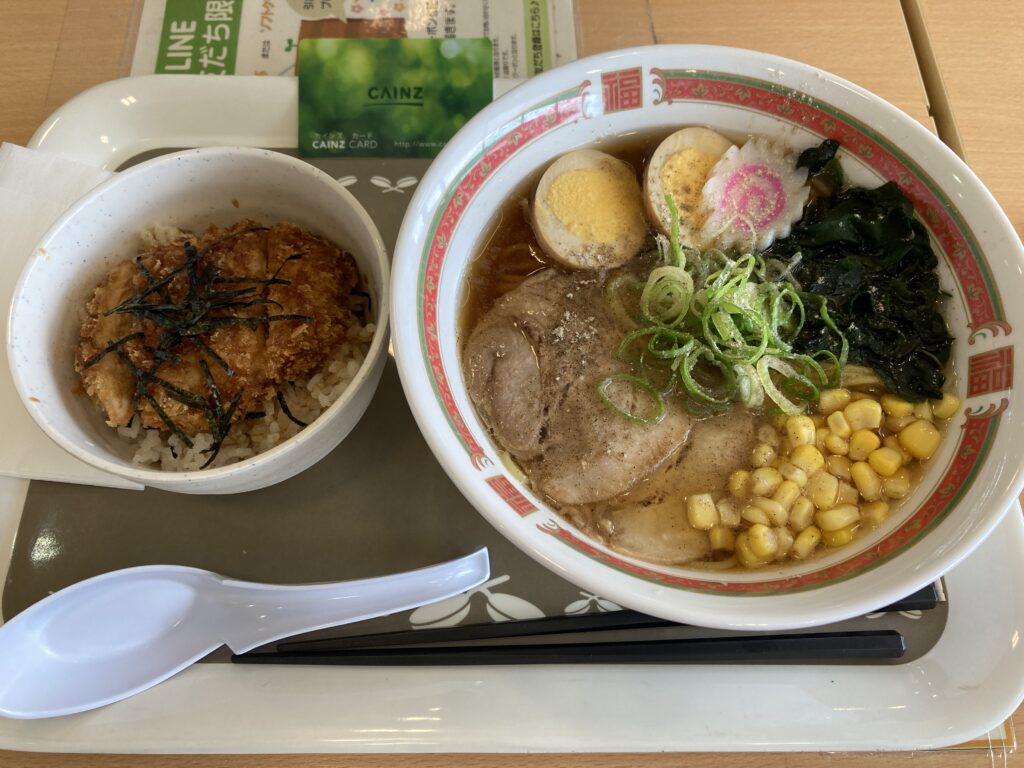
{"x": 650, "y": 520}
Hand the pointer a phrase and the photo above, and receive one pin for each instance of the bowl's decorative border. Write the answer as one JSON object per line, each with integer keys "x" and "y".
{"x": 989, "y": 372}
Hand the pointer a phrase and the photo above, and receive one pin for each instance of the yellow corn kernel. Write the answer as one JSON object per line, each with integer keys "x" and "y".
{"x": 836, "y": 445}
{"x": 762, "y": 455}
{"x": 777, "y": 514}
{"x": 848, "y": 494}
{"x": 793, "y": 473}
{"x": 862, "y": 443}
{"x": 832, "y": 400}
{"x": 806, "y": 542}
{"x": 701, "y": 511}
{"x": 839, "y": 466}
{"x": 895, "y": 423}
{"x": 920, "y": 439}
{"x": 728, "y": 512}
{"x": 923, "y": 410}
{"x": 744, "y": 554}
{"x": 839, "y": 538}
{"x": 768, "y": 435}
{"x": 896, "y": 406}
{"x": 874, "y": 513}
{"x": 817, "y": 419}
{"x": 946, "y": 407}
{"x": 786, "y": 493}
{"x": 739, "y": 484}
{"x": 801, "y": 514}
{"x": 838, "y": 517}
{"x": 839, "y": 425}
{"x": 800, "y": 430}
{"x": 885, "y": 460}
{"x": 898, "y": 485}
{"x": 764, "y": 481}
{"x": 808, "y": 458}
{"x": 784, "y": 536}
{"x": 863, "y": 414}
{"x": 762, "y": 540}
{"x": 755, "y": 515}
{"x": 721, "y": 538}
{"x": 819, "y": 438}
{"x": 893, "y": 441}
{"x": 780, "y": 421}
{"x": 822, "y": 489}
{"x": 867, "y": 481}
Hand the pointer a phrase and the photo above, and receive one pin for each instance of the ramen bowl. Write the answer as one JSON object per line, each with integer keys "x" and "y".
{"x": 967, "y": 486}
{"x": 189, "y": 190}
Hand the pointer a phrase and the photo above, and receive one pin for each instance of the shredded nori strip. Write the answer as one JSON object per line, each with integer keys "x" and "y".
{"x": 361, "y": 304}
{"x": 287, "y": 412}
{"x": 219, "y": 419}
{"x": 111, "y": 347}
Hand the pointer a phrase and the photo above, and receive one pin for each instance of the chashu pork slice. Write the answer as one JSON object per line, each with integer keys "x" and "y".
{"x": 532, "y": 367}
{"x": 651, "y": 523}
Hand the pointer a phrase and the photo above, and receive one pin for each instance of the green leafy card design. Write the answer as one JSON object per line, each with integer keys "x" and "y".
{"x": 389, "y": 97}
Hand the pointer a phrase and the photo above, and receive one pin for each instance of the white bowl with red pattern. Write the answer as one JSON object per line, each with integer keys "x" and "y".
{"x": 969, "y": 484}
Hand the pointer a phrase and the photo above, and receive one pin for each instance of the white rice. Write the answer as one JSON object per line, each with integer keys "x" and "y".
{"x": 306, "y": 399}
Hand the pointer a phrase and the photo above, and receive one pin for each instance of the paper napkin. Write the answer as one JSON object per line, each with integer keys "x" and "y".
{"x": 35, "y": 189}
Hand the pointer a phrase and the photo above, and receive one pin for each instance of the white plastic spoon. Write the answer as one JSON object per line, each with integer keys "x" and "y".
{"x": 112, "y": 636}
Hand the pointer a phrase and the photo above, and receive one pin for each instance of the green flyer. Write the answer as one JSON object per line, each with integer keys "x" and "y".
{"x": 389, "y": 97}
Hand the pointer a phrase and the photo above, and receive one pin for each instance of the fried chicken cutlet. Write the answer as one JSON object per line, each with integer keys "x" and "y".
{"x": 204, "y": 329}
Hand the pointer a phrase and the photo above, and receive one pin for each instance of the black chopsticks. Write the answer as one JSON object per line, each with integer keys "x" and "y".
{"x": 552, "y": 625}
{"x": 759, "y": 649}
{"x": 583, "y": 639}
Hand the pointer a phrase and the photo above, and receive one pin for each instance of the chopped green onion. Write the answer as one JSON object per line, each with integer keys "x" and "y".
{"x": 723, "y": 326}
{"x": 698, "y": 354}
{"x": 666, "y": 296}
{"x": 749, "y": 389}
{"x": 765, "y": 366}
{"x": 646, "y": 386}
{"x": 677, "y": 251}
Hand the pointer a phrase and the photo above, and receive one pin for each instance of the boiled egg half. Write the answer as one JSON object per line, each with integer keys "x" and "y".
{"x": 587, "y": 211}
{"x": 680, "y": 167}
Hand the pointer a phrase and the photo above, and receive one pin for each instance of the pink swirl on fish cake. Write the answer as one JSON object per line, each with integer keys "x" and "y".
{"x": 754, "y": 192}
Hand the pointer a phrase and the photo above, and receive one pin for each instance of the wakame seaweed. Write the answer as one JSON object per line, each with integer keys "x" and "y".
{"x": 816, "y": 158}
{"x": 866, "y": 253}
{"x": 824, "y": 173}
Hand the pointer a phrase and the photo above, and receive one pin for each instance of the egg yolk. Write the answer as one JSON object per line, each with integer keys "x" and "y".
{"x": 598, "y": 205}
{"x": 683, "y": 176}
